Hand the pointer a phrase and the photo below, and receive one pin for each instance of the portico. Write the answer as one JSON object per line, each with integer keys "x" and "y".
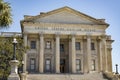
{"x": 61, "y": 53}
{"x": 73, "y": 43}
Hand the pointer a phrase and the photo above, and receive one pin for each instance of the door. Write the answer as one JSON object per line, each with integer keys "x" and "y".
{"x": 62, "y": 65}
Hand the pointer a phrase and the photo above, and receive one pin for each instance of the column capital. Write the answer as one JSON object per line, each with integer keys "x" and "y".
{"x": 73, "y": 34}
{"x": 57, "y": 34}
{"x": 103, "y": 36}
{"x": 25, "y": 33}
{"x": 88, "y": 36}
{"x": 99, "y": 38}
{"x": 41, "y": 33}
{"x": 84, "y": 37}
{"x": 109, "y": 49}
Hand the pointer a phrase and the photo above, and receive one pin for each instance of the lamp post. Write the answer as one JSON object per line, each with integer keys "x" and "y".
{"x": 14, "y": 64}
{"x": 14, "y": 48}
{"x": 116, "y": 69}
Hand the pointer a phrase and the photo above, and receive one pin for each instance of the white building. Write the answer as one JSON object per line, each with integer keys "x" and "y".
{"x": 65, "y": 41}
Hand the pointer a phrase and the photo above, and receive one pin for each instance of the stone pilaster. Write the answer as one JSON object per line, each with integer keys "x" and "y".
{"x": 57, "y": 54}
{"x": 41, "y": 54}
{"x": 73, "y": 54}
{"x": 89, "y": 52}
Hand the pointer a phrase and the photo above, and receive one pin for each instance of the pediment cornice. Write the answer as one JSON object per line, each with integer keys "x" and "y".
{"x": 68, "y": 9}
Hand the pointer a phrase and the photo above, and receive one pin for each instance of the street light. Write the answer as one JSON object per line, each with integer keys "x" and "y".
{"x": 116, "y": 69}
{"x": 14, "y": 48}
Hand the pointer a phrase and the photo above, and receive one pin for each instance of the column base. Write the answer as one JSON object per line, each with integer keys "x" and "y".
{"x": 23, "y": 76}
{"x": 93, "y": 71}
{"x": 14, "y": 70}
{"x": 13, "y": 76}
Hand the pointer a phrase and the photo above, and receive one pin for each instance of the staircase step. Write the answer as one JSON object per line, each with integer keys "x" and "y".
{"x": 90, "y": 76}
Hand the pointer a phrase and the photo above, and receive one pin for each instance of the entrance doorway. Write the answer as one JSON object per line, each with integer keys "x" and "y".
{"x": 62, "y": 65}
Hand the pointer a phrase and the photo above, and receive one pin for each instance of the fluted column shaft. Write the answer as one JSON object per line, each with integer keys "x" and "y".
{"x": 105, "y": 53}
{"x": 73, "y": 55}
{"x": 100, "y": 55}
{"x": 41, "y": 55}
{"x": 85, "y": 58}
{"x": 89, "y": 52}
{"x": 57, "y": 55}
{"x": 25, "y": 55}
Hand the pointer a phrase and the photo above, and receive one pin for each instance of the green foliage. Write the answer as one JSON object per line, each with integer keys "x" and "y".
{"x": 5, "y": 14}
{"x": 6, "y": 54}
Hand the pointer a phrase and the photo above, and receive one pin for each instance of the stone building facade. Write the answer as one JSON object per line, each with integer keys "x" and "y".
{"x": 66, "y": 41}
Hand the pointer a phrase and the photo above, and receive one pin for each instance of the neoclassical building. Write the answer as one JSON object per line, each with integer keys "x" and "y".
{"x": 66, "y": 41}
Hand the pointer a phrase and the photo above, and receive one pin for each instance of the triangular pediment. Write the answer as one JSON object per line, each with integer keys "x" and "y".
{"x": 64, "y": 15}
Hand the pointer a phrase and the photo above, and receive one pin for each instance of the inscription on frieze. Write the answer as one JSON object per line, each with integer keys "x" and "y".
{"x": 64, "y": 30}
{"x": 67, "y": 29}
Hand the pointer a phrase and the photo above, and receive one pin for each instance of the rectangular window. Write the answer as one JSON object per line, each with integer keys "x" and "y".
{"x": 33, "y": 44}
{"x": 61, "y": 47}
{"x": 92, "y": 46}
{"x": 32, "y": 64}
{"x": 48, "y": 44}
{"x": 47, "y": 65}
{"x": 93, "y": 65}
{"x": 77, "y": 45}
{"x": 78, "y": 65}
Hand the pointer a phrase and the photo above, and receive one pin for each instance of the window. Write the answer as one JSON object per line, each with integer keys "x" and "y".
{"x": 92, "y": 46}
{"x": 93, "y": 65}
{"x": 48, "y": 44}
{"x": 78, "y": 65}
{"x": 47, "y": 66}
{"x": 61, "y": 47}
{"x": 33, "y": 45}
{"x": 77, "y": 45}
{"x": 32, "y": 64}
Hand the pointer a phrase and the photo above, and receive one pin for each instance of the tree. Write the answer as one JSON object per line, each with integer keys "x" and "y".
{"x": 6, "y": 54}
{"x": 5, "y": 14}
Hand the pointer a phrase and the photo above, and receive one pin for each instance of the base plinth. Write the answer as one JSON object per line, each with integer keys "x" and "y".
{"x": 13, "y": 77}
{"x": 14, "y": 70}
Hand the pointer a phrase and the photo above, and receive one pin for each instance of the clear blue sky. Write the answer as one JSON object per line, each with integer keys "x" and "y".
{"x": 108, "y": 9}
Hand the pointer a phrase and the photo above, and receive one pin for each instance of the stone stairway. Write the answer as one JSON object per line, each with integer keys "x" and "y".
{"x": 90, "y": 76}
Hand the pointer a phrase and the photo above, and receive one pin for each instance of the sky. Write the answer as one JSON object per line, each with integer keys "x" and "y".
{"x": 107, "y": 9}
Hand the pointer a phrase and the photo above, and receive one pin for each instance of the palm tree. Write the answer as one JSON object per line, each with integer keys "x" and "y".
{"x": 5, "y": 14}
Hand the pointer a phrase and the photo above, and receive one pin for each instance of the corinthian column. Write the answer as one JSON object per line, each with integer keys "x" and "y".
{"x": 105, "y": 53}
{"x": 25, "y": 55}
{"x": 73, "y": 55}
{"x": 89, "y": 52}
{"x": 57, "y": 55}
{"x": 41, "y": 55}
{"x": 100, "y": 54}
